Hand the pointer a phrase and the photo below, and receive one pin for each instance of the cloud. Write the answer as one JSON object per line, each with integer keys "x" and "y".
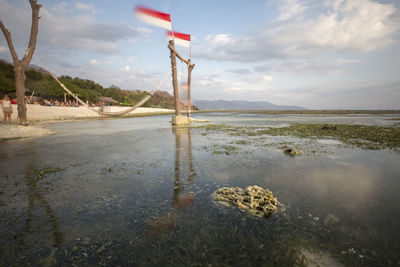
{"x": 59, "y": 8}
{"x": 83, "y": 32}
{"x": 377, "y": 95}
{"x": 144, "y": 30}
{"x": 352, "y": 25}
{"x": 300, "y": 66}
{"x": 346, "y": 61}
{"x": 82, "y": 6}
{"x": 94, "y": 62}
{"x": 126, "y": 68}
{"x": 290, "y": 8}
{"x": 3, "y": 48}
{"x": 267, "y": 78}
{"x": 360, "y": 25}
{"x": 105, "y": 32}
{"x": 239, "y": 71}
{"x": 58, "y": 28}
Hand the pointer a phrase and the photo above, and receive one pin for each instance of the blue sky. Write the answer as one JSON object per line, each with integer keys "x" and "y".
{"x": 315, "y": 54}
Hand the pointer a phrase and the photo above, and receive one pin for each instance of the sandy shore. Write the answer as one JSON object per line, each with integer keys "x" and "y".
{"x": 37, "y": 114}
{"x": 44, "y": 113}
{"x": 14, "y": 131}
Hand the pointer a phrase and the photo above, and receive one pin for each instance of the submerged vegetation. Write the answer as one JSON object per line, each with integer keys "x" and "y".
{"x": 362, "y": 136}
{"x": 124, "y": 207}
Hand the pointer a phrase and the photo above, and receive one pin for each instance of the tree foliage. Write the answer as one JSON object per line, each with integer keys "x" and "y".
{"x": 46, "y": 87}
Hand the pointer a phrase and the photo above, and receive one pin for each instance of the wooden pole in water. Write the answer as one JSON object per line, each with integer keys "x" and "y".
{"x": 190, "y": 68}
{"x": 171, "y": 47}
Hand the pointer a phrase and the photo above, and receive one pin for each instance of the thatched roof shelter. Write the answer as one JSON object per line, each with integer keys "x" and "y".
{"x": 107, "y": 100}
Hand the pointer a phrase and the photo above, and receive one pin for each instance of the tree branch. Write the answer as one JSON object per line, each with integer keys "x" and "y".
{"x": 7, "y": 35}
{"x": 177, "y": 54}
{"x": 34, "y": 32}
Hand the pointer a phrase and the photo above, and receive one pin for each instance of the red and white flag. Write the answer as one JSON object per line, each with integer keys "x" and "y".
{"x": 181, "y": 39}
{"x": 153, "y": 17}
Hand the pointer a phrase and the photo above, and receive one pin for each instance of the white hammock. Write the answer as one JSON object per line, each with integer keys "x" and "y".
{"x": 119, "y": 113}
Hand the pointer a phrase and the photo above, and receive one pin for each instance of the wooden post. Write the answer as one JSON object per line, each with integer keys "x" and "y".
{"x": 171, "y": 46}
{"x": 189, "y": 97}
{"x": 65, "y": 97}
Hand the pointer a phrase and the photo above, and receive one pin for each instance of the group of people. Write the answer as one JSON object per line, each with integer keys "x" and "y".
{"x": 6, "y": 103}
{"x": 57, "y": 103}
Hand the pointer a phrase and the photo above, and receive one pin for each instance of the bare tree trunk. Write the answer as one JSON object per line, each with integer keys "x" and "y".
{"x": 20, "y": 78}
{"x": 21, "y": 65}
{"x": 174, "y": 78}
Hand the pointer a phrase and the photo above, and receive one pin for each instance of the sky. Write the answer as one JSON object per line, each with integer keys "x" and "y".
{"x": 317, "y": 54}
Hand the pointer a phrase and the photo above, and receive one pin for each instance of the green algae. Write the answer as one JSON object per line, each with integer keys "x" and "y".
{"x": 362, "y": 136}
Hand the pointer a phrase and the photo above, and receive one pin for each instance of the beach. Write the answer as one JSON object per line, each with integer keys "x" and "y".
{"x": 39, "y": 115}
{"x": 97, "y": 190}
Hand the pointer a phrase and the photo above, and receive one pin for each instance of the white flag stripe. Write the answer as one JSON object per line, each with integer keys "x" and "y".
{"x": 154, "y": 21}
{"x": 179, "y": 42}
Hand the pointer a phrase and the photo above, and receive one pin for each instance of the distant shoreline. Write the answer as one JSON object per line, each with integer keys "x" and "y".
{"x": 40, "y": 116}
{"x": 307, "y": 111}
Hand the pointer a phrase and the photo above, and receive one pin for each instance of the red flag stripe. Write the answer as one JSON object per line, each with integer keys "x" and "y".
{"x": 153, "y": 13}
{"x": 179, "y": 35}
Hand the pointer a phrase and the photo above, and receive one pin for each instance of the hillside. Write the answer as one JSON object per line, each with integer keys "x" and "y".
{"x": 46, "y": 87}
{"x": 241, "y": 105}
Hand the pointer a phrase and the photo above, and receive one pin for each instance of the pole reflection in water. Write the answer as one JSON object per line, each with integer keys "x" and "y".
{"x": 184, "y": 175}
{"x": 34, "y": 195}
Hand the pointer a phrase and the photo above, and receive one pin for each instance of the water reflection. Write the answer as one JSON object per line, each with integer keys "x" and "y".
{"x": 34, "y": 195}
{"x": 184, "y": 175}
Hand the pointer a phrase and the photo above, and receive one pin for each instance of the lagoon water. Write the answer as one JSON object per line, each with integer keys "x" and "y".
{"x": 138, "y": 192}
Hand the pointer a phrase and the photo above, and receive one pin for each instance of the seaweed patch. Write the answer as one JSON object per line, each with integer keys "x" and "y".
{"x": 255, "y": 200}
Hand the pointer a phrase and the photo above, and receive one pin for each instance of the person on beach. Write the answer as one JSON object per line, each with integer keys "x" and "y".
{"x": 7, "y": 109}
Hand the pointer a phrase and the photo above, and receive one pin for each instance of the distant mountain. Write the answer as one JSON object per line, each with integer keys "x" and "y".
{"x": 241, "y": 105}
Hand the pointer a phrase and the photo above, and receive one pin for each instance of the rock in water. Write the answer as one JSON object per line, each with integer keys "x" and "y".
{"x": 255, "y": 200}
{"x": 292, "y": 151}
{"x": 329, "y": 127}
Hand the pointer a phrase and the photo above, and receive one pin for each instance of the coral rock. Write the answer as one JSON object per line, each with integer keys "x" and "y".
{"x": 255, "y": 200}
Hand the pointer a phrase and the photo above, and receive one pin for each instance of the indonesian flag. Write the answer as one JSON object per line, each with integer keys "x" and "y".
{"x": 181, "y": 39}
{"x": 153, "y": 17}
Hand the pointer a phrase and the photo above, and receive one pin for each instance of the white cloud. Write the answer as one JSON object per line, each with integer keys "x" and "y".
{"x": 357, "y": 24}
{"x": 3, "y": 48}
{"x": 132, "y": 59}
{"x": 143, "y": 30}
{"x": 267, "y": 78}
{"x": 61, "y": 29}
{"x": 352, "y": 25}
{"x": 346, "y": 61}
{"x": 290, "y": 8}
{"x": 221, "y": 39}
{"x": 94, "y": 62}
{"x": 60, "y": 8}
{"x": 126, "y": 68}
{"x": 83, "y": 6}
{"x": 300, "y": 66}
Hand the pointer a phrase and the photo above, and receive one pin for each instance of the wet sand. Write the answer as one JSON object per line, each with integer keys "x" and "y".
{"x": 38, "y": 115}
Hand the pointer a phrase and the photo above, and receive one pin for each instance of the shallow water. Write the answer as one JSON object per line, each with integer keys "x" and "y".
{"x": 137, "y": 192}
